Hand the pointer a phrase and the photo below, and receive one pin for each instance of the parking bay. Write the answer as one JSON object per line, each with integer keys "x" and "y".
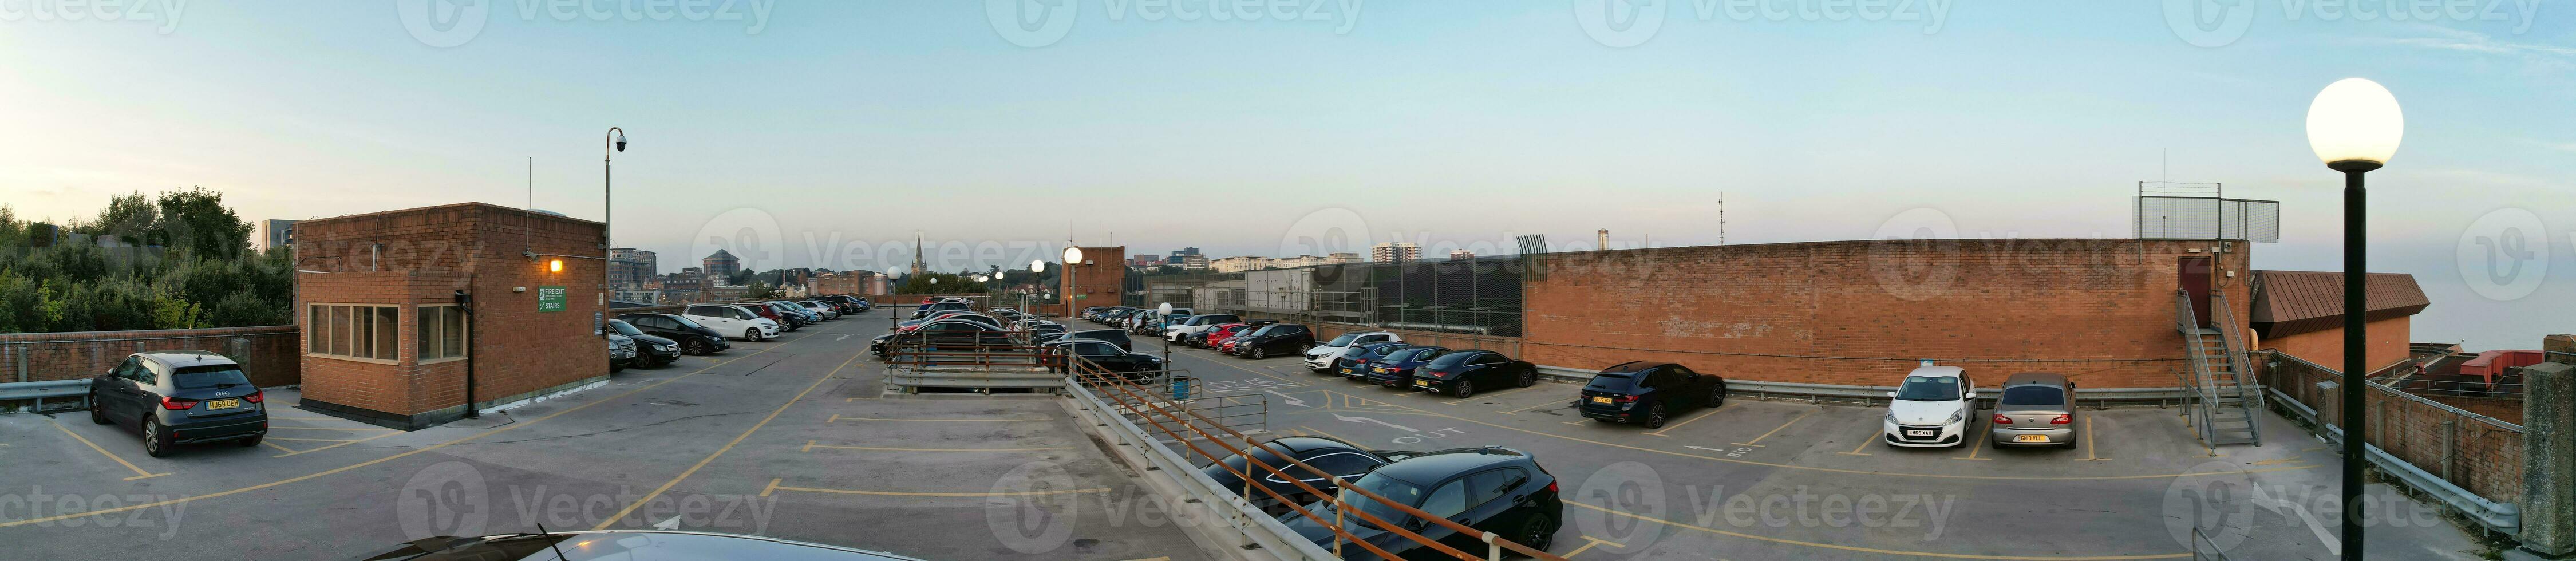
{"x": 1783, "y": 479}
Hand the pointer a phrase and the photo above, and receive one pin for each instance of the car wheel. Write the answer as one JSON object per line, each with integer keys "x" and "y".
{"x": 693, "y": 348}
{"x": 752, "y": 334}
{"x": 1463, "y": 389}
{"x": 1529, "y": 377}
{"x": 1716, "y": 396}
{"x": 1258, "y": 353}
{"x": 249, "y": 442}
{"x": 1654, "y": 416}
{"x": 1538, "y": 533}
{"x": 156, "y": 443}
{"x": 97, "y": 410}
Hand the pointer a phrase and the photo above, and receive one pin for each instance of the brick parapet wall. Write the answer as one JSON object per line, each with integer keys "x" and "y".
{"x": 268, "y": 354}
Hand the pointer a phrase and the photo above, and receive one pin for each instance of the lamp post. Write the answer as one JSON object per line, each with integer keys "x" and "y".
{"x": 2354, "y": 125}
{"x": 1164, "y": 314}
{"x": 1072, "y": 255}
{"x": 1035, "y": 267}
{"x": 615, "y": 142}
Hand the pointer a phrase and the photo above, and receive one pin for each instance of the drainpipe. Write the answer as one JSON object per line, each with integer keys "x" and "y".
{"x": 465, "y": 303}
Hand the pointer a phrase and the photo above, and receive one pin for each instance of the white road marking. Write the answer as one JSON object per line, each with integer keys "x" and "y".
{"x": 1283, "y": 398}
{"x": 1369, "y": 420}
{"x": 672, "y": 524}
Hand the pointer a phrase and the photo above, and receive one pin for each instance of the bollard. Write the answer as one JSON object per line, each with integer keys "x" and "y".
{"x": 2549, "y": 458}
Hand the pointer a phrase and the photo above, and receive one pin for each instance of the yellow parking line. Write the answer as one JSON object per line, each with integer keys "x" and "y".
{"x": 775, "y": 487}
{"x": 138, "y": 472}
{"x": 1864, "y": 443}
{"x": 274, "y": 445}
{"x": 838, "y": 418}
{"x": 1977, "y": 446}
{"x": 1490, "y": 395}
{"x": 1869, "y": 549}
{"x": 737, "y": 439}
{"x": 307, "y": 439}
{"x": 1711, "y": 411}
{"x": 2089, "y": 454}
{"x": 1590, "y": 542}
{"x": 406, "y": 454}
{"x": 1775, "y": 430}
{"x": 335, "y": 428}
{"x": 342, "y": 443}
{"x": 810, "y": 445}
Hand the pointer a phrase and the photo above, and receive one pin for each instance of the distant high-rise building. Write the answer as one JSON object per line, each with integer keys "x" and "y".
{"x": 273, "y": 233}
{"x": 722, "y": 264}
{"x": 1194, "y": 262}
{"x": 1341, "y": 258}
{"x": 1461, "y": 255}
{"x": 628, "y": 267}
{"x": 1393, "y": 252}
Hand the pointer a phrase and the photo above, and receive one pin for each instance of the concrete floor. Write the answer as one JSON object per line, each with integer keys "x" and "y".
{"x": 787, "y": 439}
{"x": 1790, "y": 480}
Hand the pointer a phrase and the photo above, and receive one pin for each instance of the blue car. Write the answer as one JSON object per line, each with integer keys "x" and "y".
{"x": 1396, "y": 371}
{"x": 1355, "y": 363}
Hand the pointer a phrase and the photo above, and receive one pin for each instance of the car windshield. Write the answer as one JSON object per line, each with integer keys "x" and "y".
{"x": 1406, "y": 355}
{"x": 1451, "y": 360}
{"x": 685, "y": 322}
{"x": 1929, "y": 388}
{"x": 1256, "y": 332}
{"x": 1389, "y": 487}
{"x": 624, "y": 328}
{"x": 1343, "y": 341}
{"x": 2033, "y": 395}
{"x": 210, "y": 376}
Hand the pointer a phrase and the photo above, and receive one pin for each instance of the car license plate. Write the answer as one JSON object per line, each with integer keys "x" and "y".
{"x": 1423, "y": 383}
{"x": 223, "y": 404}
{"x": 1599, "y": 399}
{"x": 1918, "y": 433}
{"x": 2030, "y": 438}
{"x": 1378, "y": 370}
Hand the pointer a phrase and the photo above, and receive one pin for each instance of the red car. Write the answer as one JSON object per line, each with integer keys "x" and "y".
{"x": 1217, "y": 335}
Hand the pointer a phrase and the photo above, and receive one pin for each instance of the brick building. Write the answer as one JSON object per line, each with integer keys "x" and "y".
{"x": 1098, "y": 280}
{"x": 722, "y": 264}
{"x": 385, "y": 341}
{"x": 2300, "y": 313}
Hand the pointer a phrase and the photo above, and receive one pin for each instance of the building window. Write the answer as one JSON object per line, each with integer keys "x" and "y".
{"x": 442, "y": 333}
{"x": 354, "y": 331}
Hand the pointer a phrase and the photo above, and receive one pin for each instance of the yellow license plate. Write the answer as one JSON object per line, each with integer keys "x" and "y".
{"x": 223, "y": 404}
{"x": 2031, "y": 438}
{"x": 1378, "y": 370}
{"x": 1598, "y": 399}
{"x": 1421, "y": 382}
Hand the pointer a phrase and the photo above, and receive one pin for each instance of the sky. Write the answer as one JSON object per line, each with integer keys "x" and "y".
{"x": 828, "y": 133}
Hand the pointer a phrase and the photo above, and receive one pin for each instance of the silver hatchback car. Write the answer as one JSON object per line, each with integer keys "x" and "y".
{"x": 2035, "y": 409}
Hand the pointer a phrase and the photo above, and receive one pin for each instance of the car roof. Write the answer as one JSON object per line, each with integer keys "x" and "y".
{"x": 1433, "y": 467}
{"x": 1311, "y": 443}
{"x": 1634, "y": 366}
{"x": 186, "y": 358}
{"x": 1938, "y": 371}
{"x": 2024, "y": 378}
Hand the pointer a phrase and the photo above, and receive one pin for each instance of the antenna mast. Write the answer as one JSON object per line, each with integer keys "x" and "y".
{"x": 1721, "y": 218}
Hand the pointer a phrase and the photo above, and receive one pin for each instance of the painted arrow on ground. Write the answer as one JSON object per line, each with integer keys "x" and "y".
{"x": 1283, "y": 398}
{"x": 1708, "y": 449}
{"x": 1369, "y": 420}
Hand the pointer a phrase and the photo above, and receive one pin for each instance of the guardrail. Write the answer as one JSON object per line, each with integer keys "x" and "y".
{"x": 2204, "y": 550}
{"x": 76, "y": 390}
{"x": 2504, "y": 518}
{"x": 1169, "y": 422}
{"x": 968, "y": 359}
{"x": 1873, "y": 395}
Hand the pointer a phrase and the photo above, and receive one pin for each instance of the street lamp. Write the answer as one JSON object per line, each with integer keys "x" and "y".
{"x": 1164, "y": 312}
{"x": 616, "y": 142}
{"x": 1039, "y": 266}
{"x": 1072, "y": 255}
{"x": 2354, "y": 125}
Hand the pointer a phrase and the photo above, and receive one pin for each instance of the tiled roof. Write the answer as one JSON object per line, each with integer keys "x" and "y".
{"x": 2294, "y": 302}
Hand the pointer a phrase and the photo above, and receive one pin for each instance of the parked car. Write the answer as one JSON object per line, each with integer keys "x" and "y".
{"x": 1109, "y": 357}
{"x": 1490, "y": 489}
{"x": 694, "y": 338}
{"x": 1271, "y": 340}
{"x": 650, "y": 350}
{"x": 1648, "y": 393}
{"x": 952, "y": 334}
{"x": 1214, "y": 335}
{"x": 1355, "y": 363}
{"x": 1113, "y": 336}
{"x": 1193, "y": 325}
{"x": 830, "y": 311}
{"x": 1088, "y": 312}
{"x": 622, "y": 545}
{"x": 1321, "y": 357}
{"x": 621, "y": 352}
{"x": 732, "y": 321}
{"x": 179, "y": 397}
{"x": 1154, "y": 324}
{"x": 1396, "y": 370}
{"x": 2034, "y": 409}
{"x": 1461, "y": 373}
{"x": 786, "y": 321}
{"x": 1930, "y": 408}
{"x": 791, "y": 308}
{"x": 1334, "y": 456}
{"x": 878, "y": 346}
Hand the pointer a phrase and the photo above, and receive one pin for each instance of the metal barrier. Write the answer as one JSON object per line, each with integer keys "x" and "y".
{"x": 968, "y": 359}
{"x": 2505, "y": 518}
{"x": 2204, "y": 550}
{"x": 1169, "y": 422}
{"x": 76, "y": 390}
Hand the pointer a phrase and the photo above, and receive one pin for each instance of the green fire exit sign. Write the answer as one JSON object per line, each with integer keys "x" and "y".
{"x": 550, "y": 298}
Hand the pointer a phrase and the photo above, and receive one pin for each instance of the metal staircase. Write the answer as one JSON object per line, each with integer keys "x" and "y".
{"x": 2219, "y": 397}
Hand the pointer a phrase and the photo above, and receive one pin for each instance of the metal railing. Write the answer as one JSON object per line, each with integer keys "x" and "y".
{"x": 2204, "y": 550}
{"x": 2196, "y": 398}
{"x": 1170, "y": 422}
{"x": 2248, "y": 399}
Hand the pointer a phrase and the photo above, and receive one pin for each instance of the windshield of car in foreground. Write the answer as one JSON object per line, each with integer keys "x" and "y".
{"x": 1389, "y": 487}
{"x": 210, "y": 376}
{"x": 1342, "y": 341}
{"x": 1929, "y": 388}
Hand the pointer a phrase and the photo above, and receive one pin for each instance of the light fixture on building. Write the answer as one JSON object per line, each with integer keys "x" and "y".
{"x": 554, "y": 265}
{"x": 2354, "y": 126}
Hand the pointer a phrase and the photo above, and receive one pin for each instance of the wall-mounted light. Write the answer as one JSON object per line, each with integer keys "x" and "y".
{"x": 554, "y": 265}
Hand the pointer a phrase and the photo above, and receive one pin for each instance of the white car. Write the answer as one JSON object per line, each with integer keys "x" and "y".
{"x": 1320, "y": 358}
{"x": 733, "y": 321}
{"x": 1196, "y": 325}
{"x": 1932, "y": 408}
{"x": 828, "y": 311}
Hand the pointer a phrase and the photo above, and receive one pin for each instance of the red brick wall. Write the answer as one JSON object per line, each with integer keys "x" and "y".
{"x": 1101, "y": 280}
{"x": 2477, "y": 455}
{"x": 422, "y": 256}
{"x": 267, "y": 354}
{"x": 1862, "y": 312}
{"x": 2387, "y": 344}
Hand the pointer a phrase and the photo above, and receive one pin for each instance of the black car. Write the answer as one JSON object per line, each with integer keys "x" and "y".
{"x": 878, "y": 346}
{"x": 650, "y": 350}
{"x": 1107, "y": 356}
{"x": 1647, "y": 393}
{"x": 1459, "y": 374}
{"x": 1334, "y": 456}
{"x": 622, "y": 352}
{"x": 1113, "y": 336}
{"x": 623, "y": 545}
{"x": 1490, "y": 489}
{"x": 1354, "y": 363}
{"x": 693, "y": 338}
{"x": 1274, "y": 340}
{"x": 1396, "y": 371}
{"x": 179, "y": 397}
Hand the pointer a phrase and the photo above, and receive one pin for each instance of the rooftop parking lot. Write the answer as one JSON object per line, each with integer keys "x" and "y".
{"x": 787, "y": 438}
{"x": 1791, "y": 479}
